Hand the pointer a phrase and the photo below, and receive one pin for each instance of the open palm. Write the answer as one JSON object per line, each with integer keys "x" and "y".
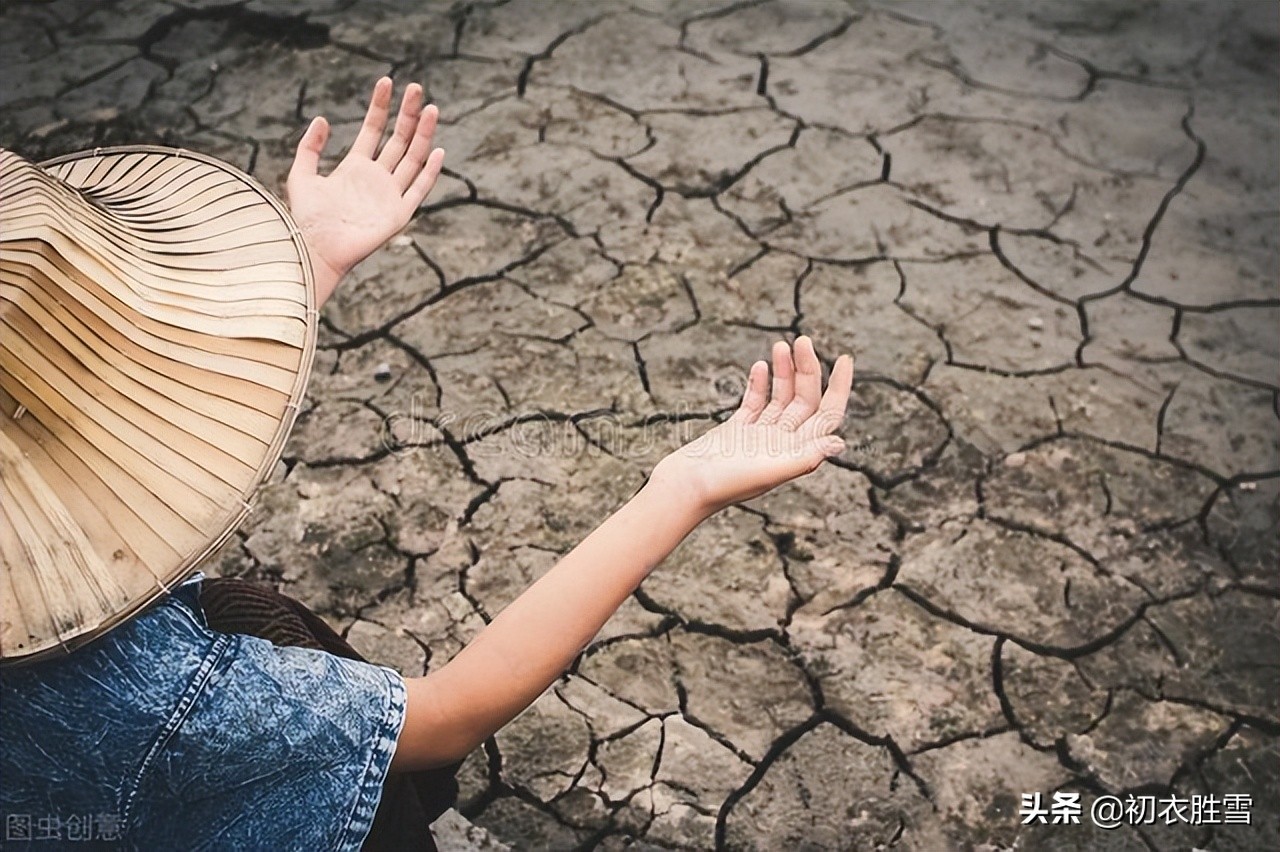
{"x": 348, "y": 214}
{"x": 772, "y": 437}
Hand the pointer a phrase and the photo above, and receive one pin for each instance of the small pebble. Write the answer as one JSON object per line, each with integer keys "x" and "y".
{"x": 1035, "y": 323}
{"x": 401, "y": 241}
{"x": 45, "y": 129}
{"x": 1248, "y": 486}
{"x": 1015, "y": 460}
{"x": 383, "y": 372}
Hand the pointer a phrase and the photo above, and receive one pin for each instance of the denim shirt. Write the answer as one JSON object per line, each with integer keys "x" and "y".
{"x": 163, "y": 735}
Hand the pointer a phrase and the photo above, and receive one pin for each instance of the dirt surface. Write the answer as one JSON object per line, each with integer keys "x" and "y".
{"x": 1048, "y": 231}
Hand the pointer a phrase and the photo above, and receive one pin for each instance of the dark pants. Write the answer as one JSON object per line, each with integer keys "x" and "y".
{"x": 410, "y": 801}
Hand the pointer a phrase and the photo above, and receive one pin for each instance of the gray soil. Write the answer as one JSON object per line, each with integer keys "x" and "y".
{"x": 1048, "y": 560}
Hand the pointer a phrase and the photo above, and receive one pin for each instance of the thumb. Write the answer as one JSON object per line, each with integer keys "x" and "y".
{"x": 307, "y": 160}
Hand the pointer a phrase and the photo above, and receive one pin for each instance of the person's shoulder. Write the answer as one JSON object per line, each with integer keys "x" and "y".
{"x": 326, "y": 726}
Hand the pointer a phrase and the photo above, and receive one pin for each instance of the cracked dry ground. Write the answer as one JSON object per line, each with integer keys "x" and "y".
{"x": 1048, "y": 559}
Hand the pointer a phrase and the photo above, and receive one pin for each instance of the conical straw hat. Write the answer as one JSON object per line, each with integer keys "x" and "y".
{"x": 157, "y": 326}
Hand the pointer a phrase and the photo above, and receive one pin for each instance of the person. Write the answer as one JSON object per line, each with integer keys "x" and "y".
{"x": 145, "y": 727}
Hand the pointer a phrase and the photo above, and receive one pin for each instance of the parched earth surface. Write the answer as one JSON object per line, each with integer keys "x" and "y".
{"x": 1048, "y": 232}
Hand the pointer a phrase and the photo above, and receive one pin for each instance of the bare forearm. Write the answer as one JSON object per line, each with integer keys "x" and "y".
{"x": 531, "y": 642}
{"x": 775, "y": 435}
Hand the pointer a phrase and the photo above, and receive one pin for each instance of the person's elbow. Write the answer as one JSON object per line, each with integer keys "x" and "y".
{"x": 436, "y": 733}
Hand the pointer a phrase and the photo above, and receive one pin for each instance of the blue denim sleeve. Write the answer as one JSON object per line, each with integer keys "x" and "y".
{"x": 164, "y": 734}
{"x": 285, "y": 748}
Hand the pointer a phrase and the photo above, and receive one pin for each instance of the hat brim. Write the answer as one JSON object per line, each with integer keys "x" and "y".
{"x": 157, "y": 329}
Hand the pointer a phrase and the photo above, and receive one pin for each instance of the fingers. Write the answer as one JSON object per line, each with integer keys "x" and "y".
{"x": 306, "y": 161}
{"x": 408, "y": 154}
{"x": 406, "y": 125}
{"x": 426, "y": 179}
{"x": 375, "y": 120}
{"x": 408, "y": 168}
{"x": 755, "y": 396}
{"x": 783, "y": 383}
{"x": 808, "y": 385}
{"x": 830, "y": 413}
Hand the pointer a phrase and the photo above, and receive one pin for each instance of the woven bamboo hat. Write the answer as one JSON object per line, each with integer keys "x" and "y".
{"x": 157, "y": 326}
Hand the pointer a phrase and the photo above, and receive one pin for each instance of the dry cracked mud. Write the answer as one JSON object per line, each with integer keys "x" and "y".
{"x": 1048, "y": 560}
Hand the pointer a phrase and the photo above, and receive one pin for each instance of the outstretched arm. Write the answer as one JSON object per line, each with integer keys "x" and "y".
{"x": 347, "y": 215}
{"x": 771, "y": 438}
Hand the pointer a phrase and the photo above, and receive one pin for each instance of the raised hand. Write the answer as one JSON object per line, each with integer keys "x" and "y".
{"x": 772, "y": 437}
{"x": 347, "y": 215}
